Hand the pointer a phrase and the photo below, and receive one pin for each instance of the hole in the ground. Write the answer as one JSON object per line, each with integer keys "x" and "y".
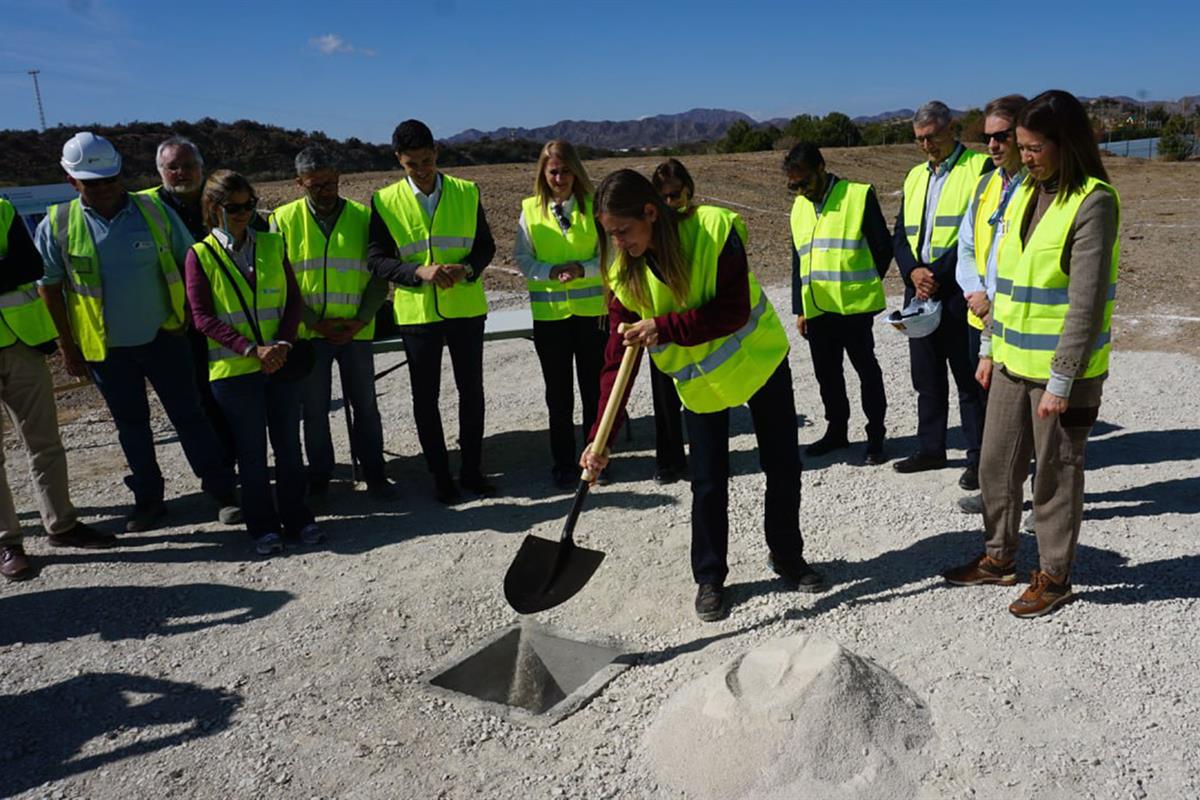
{"x": 538, "y": 670}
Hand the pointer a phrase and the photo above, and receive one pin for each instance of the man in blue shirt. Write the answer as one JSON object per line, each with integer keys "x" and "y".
{"x": 141, "y": 335}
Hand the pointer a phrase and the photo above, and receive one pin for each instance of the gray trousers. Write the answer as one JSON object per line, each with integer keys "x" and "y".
{"x": 1011, "y": 435}
{"x": 27, "y": 392}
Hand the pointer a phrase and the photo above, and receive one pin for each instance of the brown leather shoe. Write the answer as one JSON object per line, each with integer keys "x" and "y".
{"x": 984, "y": 569}
{"x": 1043, "y": 596}
{"x": 83, "y": 536}
{"x": 14, "y": 564}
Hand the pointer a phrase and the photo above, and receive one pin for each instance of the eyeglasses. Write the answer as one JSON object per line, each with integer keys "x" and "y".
{"x": 932, "y": 137}
{"x": 671, "y": 196}
{"x": 999, "y": 136}
{"x": 99, "y": 181}
{"x": 323, "y": 187}
{"x": 241, "y": 208}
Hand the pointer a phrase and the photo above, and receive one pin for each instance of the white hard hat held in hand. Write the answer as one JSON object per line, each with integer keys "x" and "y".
{"x": 86, "y": 156}
{"x": 918, "y": 318}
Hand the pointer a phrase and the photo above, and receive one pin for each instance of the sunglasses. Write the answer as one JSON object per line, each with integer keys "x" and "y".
{"x": 241, "y": 208}
{"x": 999, "y": 136}
{"x": 99, "y": 181}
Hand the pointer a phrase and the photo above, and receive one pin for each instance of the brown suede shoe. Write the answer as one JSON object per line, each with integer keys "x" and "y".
{"x": 14, "y": 564}
{"x": 1043, "y": 596}
{"x": 83, "y": 536}
{"x": 984, "y": 569}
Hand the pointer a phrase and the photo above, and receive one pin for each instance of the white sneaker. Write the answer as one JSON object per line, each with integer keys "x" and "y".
{"x": 311, "y": 534}
{"x": 268, "y": 544}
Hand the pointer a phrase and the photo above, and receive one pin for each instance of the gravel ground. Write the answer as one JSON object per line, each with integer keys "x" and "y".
{"x": 180, "y": 665}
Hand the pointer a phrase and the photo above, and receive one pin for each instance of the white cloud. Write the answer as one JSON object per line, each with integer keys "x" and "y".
{"x": 331, "y": 44}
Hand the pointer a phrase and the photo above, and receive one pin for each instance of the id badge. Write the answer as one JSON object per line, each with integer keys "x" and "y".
{"x": 82, "y": 264}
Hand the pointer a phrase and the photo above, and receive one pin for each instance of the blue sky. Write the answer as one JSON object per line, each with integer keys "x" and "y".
{"x": 357, "y": 68}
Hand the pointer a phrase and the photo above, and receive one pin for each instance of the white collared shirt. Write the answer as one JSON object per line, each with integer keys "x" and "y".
{"x": 429, "y": 201}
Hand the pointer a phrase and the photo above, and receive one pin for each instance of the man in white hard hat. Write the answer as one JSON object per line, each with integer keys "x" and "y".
{"x": 27, "y": 391}
{"x": 115, "y": 291}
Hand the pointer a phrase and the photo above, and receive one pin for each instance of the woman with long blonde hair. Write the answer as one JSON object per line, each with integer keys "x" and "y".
{"x": 682, "y": 288}
{"x": 556, "y": 250}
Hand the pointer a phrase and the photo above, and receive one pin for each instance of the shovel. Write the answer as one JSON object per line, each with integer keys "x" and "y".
{"x": 546, "y": 573}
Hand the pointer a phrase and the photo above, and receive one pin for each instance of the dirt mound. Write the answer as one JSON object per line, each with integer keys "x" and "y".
{"x": 798, "y": 717}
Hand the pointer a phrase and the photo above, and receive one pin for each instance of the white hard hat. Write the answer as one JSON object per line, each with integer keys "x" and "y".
{"x": 86, "y": 156}
{"x": 919, "y": 318}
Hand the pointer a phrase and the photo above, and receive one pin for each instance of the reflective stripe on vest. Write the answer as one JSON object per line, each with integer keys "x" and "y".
{"x": 957, "y": 190}
{"x": 1032, "y": 291}
{"x": 446, "y": 239}
{"x": 23, "y": 314}
{"x": 331, "y": 272}
{"x": 837, "y": 270}
{"x": 83, "y": 289}
{"x": 267, "y": 299}
{"x": 985, "y": 202}
{"x": 726, "y": 371}
{"x": 552, "y": 299}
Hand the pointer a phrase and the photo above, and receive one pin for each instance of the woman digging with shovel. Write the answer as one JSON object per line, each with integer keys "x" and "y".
{"x": 681, "y": 288}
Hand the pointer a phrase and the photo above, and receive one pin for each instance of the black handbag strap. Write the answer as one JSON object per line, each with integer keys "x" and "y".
{"x": 250, "y": 318}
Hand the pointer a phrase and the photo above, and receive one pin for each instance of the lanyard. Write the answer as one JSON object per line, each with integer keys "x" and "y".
{"x": 1005, "y": 196}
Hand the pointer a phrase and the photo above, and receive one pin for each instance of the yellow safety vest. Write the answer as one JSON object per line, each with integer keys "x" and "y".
{"x": 952, "y": 203}
{"x": 332, "y": 273}
{"x": 23, "y": 314}
{"x": 837, "y": 270}
{"x": 726, "y": 371}
{"x": 1031, "y": 287}
{"x": 446, "y": 239}
{"x": 266, "y": 300}
{"x": 83, "y": 290}
{"x": 553, "y": 300}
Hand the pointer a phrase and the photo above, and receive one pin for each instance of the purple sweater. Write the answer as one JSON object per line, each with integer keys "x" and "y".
{"x": 204, "y": 317}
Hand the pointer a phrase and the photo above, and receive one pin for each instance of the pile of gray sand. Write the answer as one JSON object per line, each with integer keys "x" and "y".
{"x": 794, "y": 718}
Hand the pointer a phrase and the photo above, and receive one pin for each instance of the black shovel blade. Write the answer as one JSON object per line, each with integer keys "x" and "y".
{"x": 546, "y": 573}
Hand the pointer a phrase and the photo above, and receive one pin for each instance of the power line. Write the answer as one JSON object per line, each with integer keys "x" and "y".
{"x": 37, "y": 92}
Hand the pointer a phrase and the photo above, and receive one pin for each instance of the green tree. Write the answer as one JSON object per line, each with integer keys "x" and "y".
{"x": 740, "y": 137}
{"x": 1178, "y": 140}
{"x": 837, "y": 130}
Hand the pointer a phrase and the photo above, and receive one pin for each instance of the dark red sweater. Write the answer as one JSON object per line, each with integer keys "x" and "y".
{"x": 727, "y": 311}
{"x": 204, "y": 317}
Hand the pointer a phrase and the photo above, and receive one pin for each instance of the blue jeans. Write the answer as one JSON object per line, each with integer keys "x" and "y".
{"x": 254, "y": 405}
{"x": 166, "y": 362}
{"x": 356, "y": 363}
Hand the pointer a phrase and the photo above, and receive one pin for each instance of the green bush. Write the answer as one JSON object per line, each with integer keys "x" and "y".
{"x": 1178, "y": 140}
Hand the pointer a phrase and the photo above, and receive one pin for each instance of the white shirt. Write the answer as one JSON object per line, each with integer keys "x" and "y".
{"x": 429, "y": 201}
{"x": 535, "y": 270}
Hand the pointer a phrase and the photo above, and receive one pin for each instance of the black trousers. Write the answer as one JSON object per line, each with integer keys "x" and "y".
{"x": 773, "y": 410}
{"x": 668, "y": 420}
{"x": 973, "y": 337}
{"x": 423, "y": 345}
{"x": 929, "y": 357}
{"x": 575, "y": 342}
{"x": 831, "y": 335}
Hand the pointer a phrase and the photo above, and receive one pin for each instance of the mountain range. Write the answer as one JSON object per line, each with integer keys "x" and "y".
{"x": 708, "y": 124}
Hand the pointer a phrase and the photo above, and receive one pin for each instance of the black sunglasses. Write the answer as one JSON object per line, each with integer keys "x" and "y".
{"x": 999, "y": 136}
{"x": 99, "y": 181}
{"x": 240, "y": 208}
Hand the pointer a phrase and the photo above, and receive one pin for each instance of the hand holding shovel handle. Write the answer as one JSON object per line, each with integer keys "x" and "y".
{"x": 600, "y": 443}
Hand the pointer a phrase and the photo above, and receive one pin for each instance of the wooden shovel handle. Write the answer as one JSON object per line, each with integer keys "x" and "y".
{"x": 614, "y": 403}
